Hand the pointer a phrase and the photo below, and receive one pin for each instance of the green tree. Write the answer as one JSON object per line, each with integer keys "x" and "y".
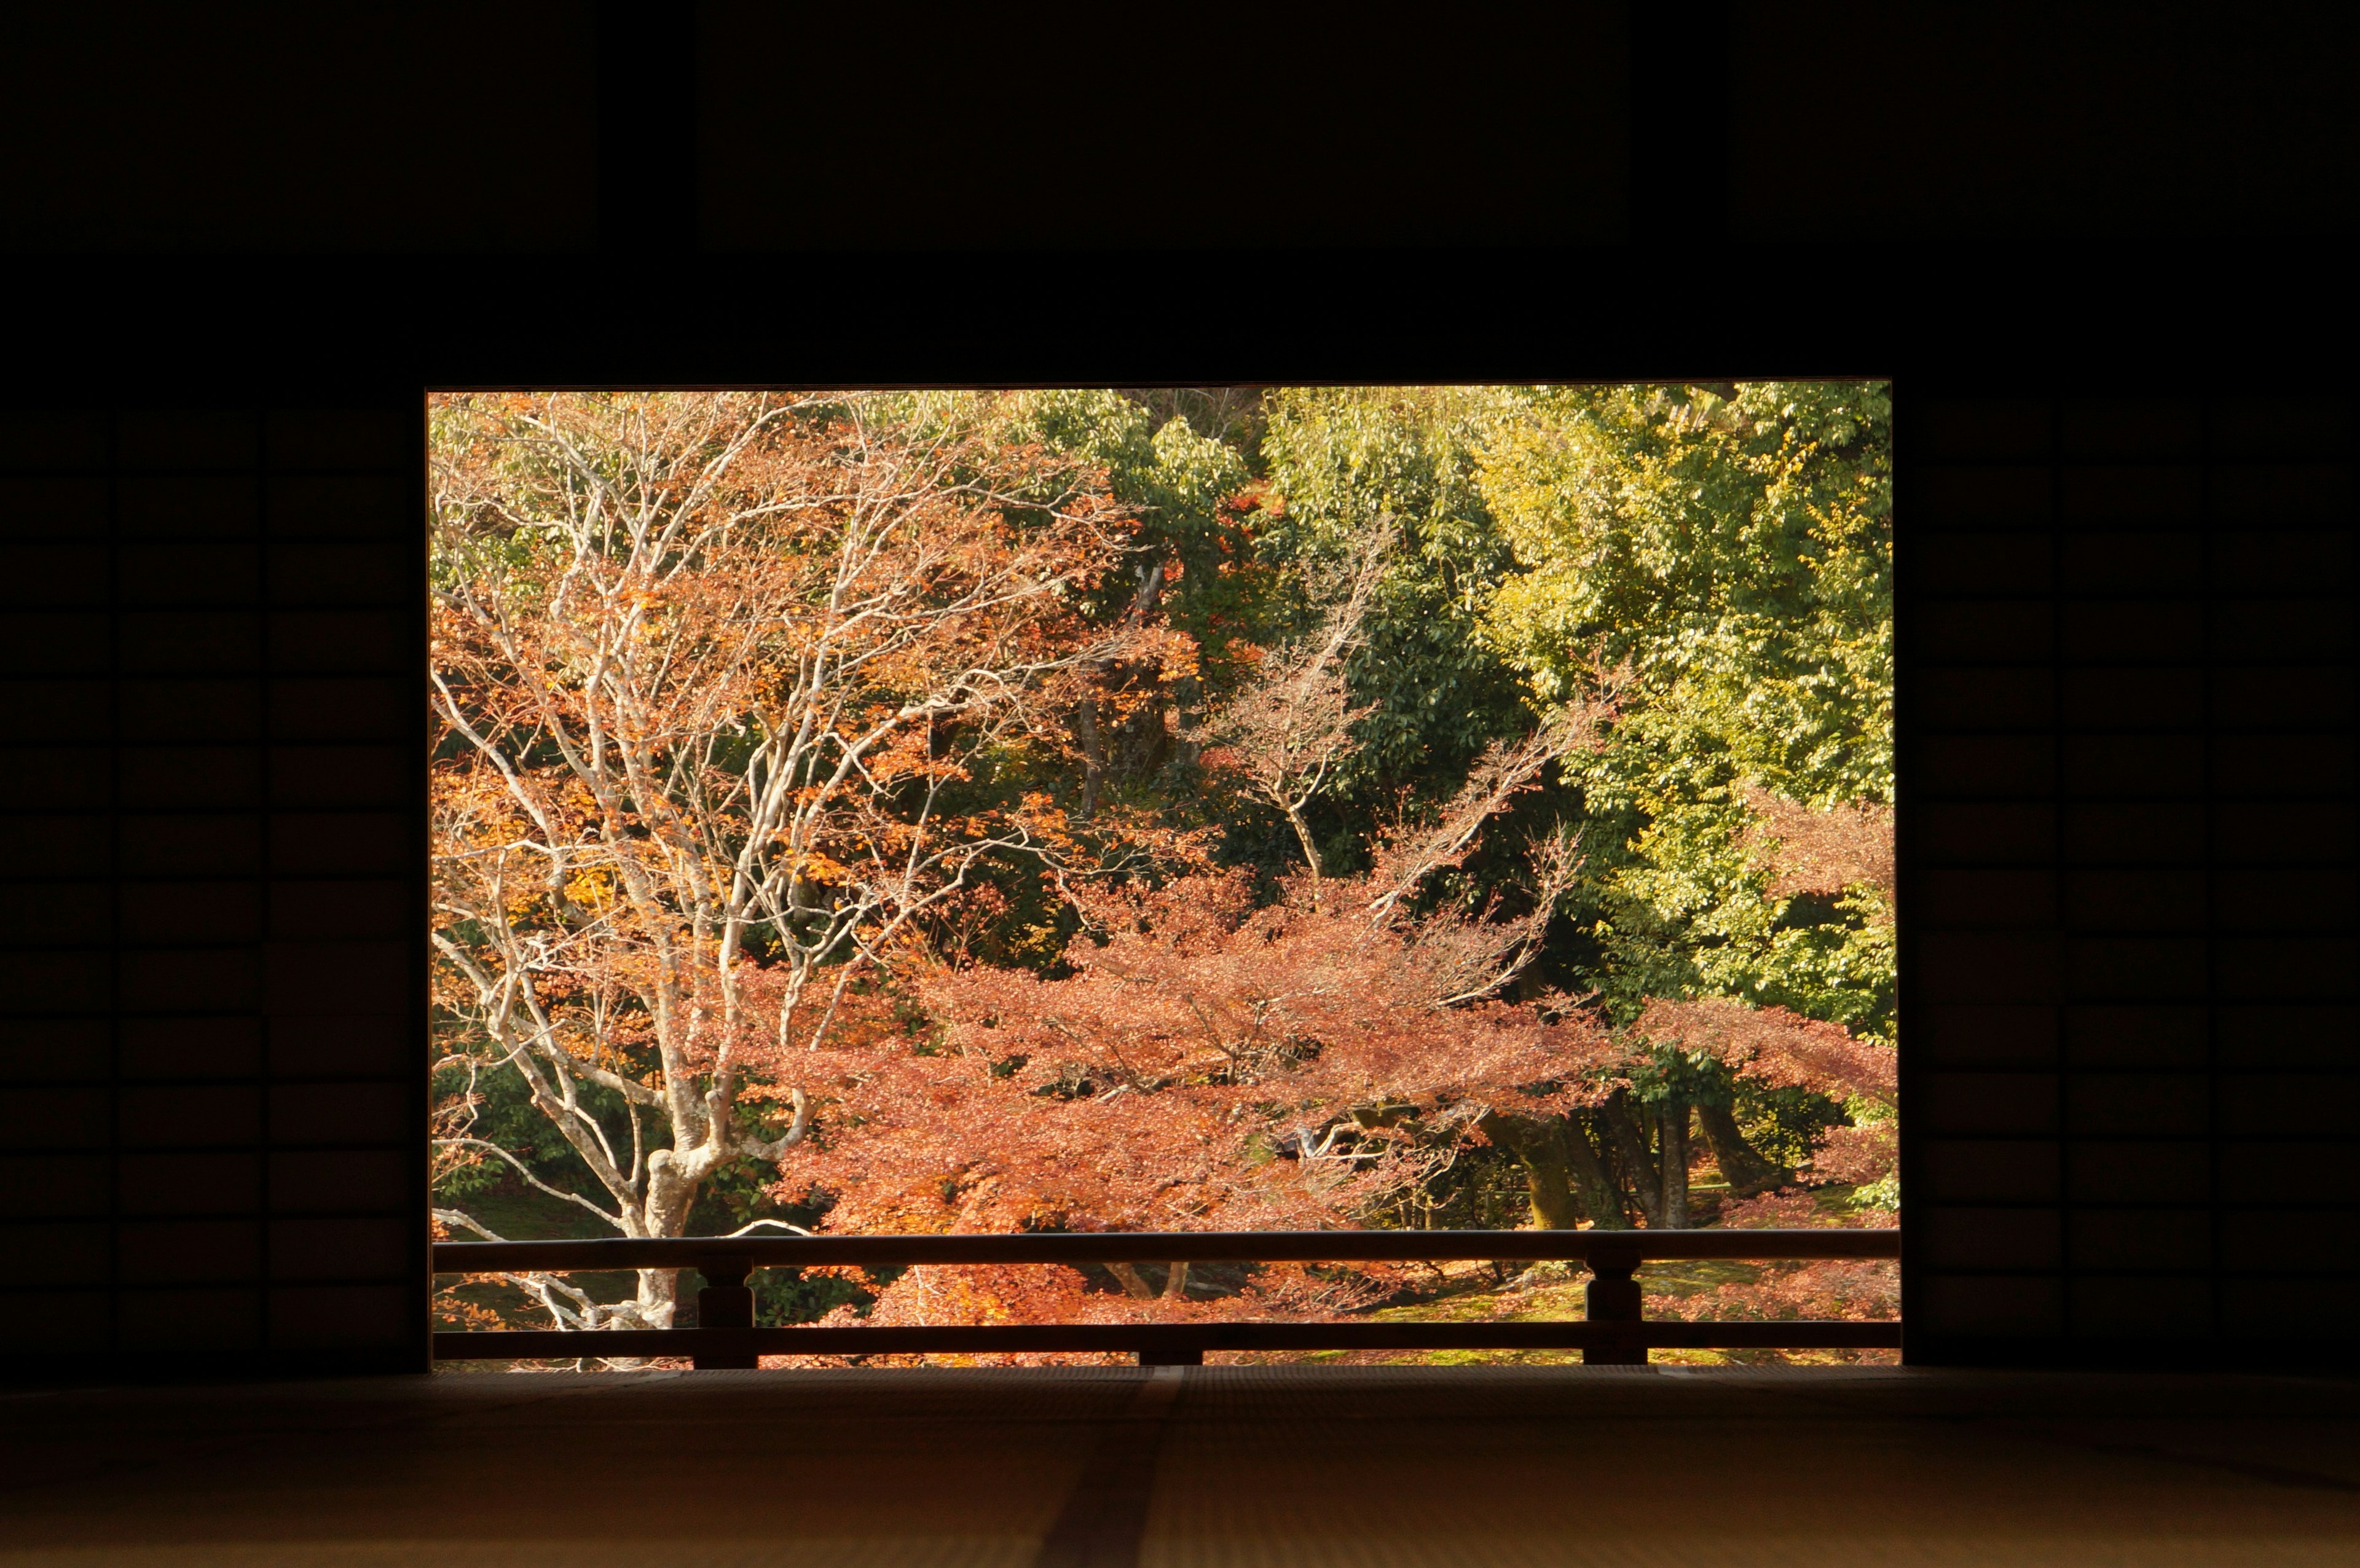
{"x": 1344, "y": 460}
{"x": 1722, "y": 558}
{"x": 1733, "y": 547}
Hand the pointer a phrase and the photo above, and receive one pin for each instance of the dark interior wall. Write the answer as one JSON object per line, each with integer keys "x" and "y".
{"x": 2127, "y": 836}
{"x": 210, "y": 1128}
{"x": 2103, "y": 259}
{"x": 2016, "y": 119}
{"x": 275, "y": 126}
{"x": 819, "y": 130}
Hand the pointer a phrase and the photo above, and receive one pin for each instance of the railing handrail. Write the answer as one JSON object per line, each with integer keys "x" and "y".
{"x": 1167, "y": 1343}
{"x": 1625, "y": 1248}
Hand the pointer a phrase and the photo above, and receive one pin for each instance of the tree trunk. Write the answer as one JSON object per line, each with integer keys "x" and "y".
{"x": 1134, "y": 1284}
{"x": 659, "y": 1296}
{"x": 1175, "y": 1284}
{"x": 1310, "y": 850}
{"x": 1562, "y": 1173}
{"x": 1749, "y": 1174}
{"x": 1085, "y": 727}
{"x": 1626, "y": 1146}
{"x": 1548, "y": 1169}
{"x": 1599, "y": 1193}
{"x": 671, "y": 1194}
{"x": 1672, "y": 1161}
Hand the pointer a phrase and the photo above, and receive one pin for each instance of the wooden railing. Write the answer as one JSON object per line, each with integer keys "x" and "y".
{"x": 1613, "y": 1330}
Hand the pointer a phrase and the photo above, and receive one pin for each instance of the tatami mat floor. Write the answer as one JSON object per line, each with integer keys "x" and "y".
{"x": 1224, "y": 1467}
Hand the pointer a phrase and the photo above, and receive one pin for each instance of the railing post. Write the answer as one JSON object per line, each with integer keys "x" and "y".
{"x": 726, "y": 1303}
{"x": 1613, "y": 1297}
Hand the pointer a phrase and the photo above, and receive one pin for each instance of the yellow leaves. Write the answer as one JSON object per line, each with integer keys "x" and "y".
{"x": 593, "y": 891}
{"x": 814, "y": 866}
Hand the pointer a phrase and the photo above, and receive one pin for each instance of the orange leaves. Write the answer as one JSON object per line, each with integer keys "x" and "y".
{"x": 1857, "y": 1154}
{"x": 1783, "y": 1049}
{"x": 820, "y": 868}
{"x": 1205, "y": 1064}
{"x": 1805, "y": 851}
{"x": 1842, "y": 1290}
{"x": 1047, "y": 821}
{"x": 1776, "y": 1047}
{"x": 1174, "y": 655}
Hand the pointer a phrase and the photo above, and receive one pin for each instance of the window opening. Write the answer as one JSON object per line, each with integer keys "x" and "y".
{"x": 1164, "y": 809}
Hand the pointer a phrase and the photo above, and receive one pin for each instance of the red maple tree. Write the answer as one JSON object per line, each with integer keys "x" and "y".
{"x": 1202, "y": 1064}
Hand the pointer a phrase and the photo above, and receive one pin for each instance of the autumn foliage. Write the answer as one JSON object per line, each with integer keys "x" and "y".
{"x": 878, "y": 811}
{"x": 1206, "y": 1064}
{"x": 711, "y": 672}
